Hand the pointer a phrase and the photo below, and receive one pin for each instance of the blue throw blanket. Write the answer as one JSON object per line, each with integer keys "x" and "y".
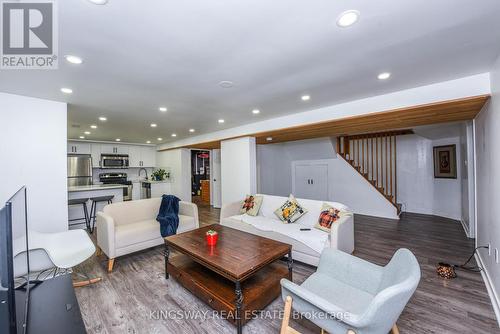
{"x": 168, "y": 216}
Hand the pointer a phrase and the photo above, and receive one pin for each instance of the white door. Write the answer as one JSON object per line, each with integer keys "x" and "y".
{"x": 215, "y": 175}
{"x": 302, "y": 181}
{"x": 310, "y": 180}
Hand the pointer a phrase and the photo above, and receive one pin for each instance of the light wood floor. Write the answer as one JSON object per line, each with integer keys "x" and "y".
{"x": 127, "y": 301}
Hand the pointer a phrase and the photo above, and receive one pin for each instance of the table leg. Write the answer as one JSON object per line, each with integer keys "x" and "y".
{"x": 166, "y": 254}
{"x": 290, "y": 265}
{"x": 239, "y": 302}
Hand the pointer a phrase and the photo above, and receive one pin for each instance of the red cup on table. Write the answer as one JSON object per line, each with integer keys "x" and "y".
{"x": 211, "y": 237}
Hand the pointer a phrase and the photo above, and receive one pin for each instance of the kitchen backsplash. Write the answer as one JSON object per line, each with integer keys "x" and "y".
{"x": 132, "y": 173}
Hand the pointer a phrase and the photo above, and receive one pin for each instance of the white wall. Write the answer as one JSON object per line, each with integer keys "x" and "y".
{"x": 345, "y": 184}
{"x": 238, "y": 169}
{"x": 448, "y": 90}
{"x": 179, "y": 162}
{"x": 418, "y": 190}
{"x": 33, "y": 139}
{"x": 487, "y": 149}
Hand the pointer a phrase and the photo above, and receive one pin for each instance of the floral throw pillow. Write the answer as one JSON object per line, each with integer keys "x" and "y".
{"x": 251, "y": 205}
{"x": 290, "y": 211}
{"x": 328, "y": 216}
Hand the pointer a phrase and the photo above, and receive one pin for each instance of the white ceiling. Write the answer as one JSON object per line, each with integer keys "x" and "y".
{"x": 139, "y": 55}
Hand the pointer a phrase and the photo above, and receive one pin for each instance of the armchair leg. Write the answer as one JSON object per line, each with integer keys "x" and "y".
{"x": 285, "y": 327}
{"x": 395, "y": 329}
{"x": 98, "y": 251}
{"x": 111, "y": 262}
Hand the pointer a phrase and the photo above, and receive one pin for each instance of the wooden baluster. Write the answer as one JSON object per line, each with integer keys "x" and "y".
{"x": 376, "y": 155}
{"x": 371, "y": 153}
{"x": 386, "y": 165}
{"x": 395, "y": 171}
{"x": 359, "y": 148}
{"x": 391, "y": 159}
{"x": 362, "y": 155}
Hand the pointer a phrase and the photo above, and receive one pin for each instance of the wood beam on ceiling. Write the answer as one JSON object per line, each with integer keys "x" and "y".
{"x": 462, "y": 109}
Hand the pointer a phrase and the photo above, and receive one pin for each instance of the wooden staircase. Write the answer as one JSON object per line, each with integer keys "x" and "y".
{"x": 373, "y": 156}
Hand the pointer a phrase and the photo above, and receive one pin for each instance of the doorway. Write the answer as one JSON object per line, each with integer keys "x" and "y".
{"x": 200, "y": 176}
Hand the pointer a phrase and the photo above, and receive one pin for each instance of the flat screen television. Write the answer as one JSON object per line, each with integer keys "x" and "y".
{"x": 14, "y": 265}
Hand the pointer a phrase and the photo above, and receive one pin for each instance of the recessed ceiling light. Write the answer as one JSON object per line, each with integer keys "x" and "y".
{"x": 347, "y": 18}
{"x": 226, "y": 84}
{"x": 99, "y": 2}
{"x": 191, "y": 130}
{"x": 87, "y": 132}
{"x": 159, "y": 138}
{"x": 82, "y": 137}
{"x": 221, "y": 121}
{"x": 384, "y": 76}
{"x": 66, "y": 90}
{"x": 73, "y": 59}
{"x": 163, "y": 109}
{"x": 174, "y": 135}
{"x": 93, "y": 126}
{"x": 305, "y": 97}
{"x": 118, "y": 139}
{"x": 103, "y": 119}
{"x": 153, "y": 125}
{"x": 148, "y": 142}
{"x": 269, "y": 138}
{"x": 256, "y": 111}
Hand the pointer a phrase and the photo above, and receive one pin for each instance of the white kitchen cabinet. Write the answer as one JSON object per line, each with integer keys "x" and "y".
{"x": 96, "y": 155}
{"x": 136, "y": 190}
{"x": 148, "y": 156}
{"x": 142, "y": 156}
{"x": 134, "y": 156}
{"x": 114, "y": 149}
{"x": 78, "y": 147}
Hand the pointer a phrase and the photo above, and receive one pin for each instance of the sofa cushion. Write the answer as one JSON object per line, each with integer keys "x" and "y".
{"x": 313, "y": 207}
{"x": 129, "y": 234}
{"x": 251, "y": 205}
{"x": 290, "y": 211}
{"x": 327, "y": 217}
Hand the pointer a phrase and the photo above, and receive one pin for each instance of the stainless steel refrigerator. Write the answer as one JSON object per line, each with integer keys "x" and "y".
{"x": 79, "y": 170}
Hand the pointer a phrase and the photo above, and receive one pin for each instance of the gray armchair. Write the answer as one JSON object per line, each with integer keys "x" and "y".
{"x": 348, "y": 294}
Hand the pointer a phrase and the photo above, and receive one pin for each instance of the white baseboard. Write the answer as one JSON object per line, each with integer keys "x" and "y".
{"x": 466, "y": 228}
{"x": 495, "y": 301}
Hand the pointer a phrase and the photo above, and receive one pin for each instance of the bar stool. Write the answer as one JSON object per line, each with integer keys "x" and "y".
{"x": 83, "y": 203}
{"x": 93, "y": 207}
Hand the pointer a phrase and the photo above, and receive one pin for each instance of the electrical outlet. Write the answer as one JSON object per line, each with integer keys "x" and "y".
{"x": 489, "y": 248}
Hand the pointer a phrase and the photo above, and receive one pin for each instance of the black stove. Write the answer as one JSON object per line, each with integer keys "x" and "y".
{"x": 114, "y": 178}
{"x": 118, "y": 178}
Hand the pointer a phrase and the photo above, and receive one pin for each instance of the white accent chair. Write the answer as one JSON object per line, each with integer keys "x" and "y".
{"x": 359, "y": 296}
{"x": 127, "y": 227}
{"x": 63, "y": 250}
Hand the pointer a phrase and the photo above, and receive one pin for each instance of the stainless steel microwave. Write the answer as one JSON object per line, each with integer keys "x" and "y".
{"x": 114, "y": 161}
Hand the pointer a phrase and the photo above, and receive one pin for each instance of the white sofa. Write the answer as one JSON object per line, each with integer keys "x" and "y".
{"x": 127, "y": 227}
{"x": 306, "y": 245}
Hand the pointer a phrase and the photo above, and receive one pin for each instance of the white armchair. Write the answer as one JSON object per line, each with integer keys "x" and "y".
{"x": 358, "y": 296}
{"x": 127, "y": 227}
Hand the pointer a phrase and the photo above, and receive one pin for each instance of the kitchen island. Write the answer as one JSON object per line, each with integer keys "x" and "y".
{"x": 89, "y": 191}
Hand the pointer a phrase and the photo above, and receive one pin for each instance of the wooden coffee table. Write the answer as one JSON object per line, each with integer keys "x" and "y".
{"x": 238, "y": 276}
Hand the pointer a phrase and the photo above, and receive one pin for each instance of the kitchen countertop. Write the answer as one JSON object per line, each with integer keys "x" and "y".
{"x": 153, "y": 182}
{"x": 96, "y": 187}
